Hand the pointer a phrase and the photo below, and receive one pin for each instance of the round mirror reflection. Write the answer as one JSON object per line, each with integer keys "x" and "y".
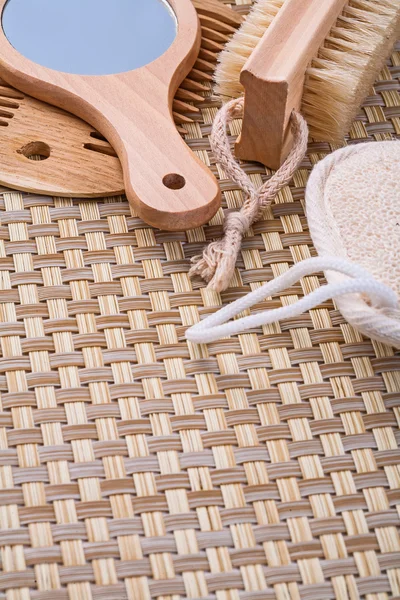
{"x": 90, "y": 37}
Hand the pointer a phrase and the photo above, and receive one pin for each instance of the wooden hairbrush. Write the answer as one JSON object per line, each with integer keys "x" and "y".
{"x": 320, "y": 57}
{"x": 273, "y": 77}
{"x": 168, "y": 186}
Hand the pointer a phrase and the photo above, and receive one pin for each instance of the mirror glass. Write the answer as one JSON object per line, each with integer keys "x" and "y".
{"x": 90, "y": 37}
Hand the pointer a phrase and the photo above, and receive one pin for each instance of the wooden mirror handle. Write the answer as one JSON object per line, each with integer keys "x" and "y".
{"x": 172, "y": 190}
{"x": 168, "y": 185}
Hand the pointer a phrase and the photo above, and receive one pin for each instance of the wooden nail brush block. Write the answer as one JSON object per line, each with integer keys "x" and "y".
{"x": 274, "y": 75}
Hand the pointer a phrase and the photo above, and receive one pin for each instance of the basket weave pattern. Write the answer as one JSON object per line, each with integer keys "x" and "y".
{"x": 134, "y": 465}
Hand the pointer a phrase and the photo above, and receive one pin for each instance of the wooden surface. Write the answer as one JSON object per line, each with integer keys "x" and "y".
{"x": 273, "y": 77}
{"x": 145, "y": 138}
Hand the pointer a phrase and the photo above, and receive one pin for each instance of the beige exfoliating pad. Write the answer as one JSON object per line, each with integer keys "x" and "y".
{"x": 363, "y": 193}
{"x": 353, "y": 211}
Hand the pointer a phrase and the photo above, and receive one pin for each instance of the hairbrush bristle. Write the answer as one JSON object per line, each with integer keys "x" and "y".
{"x": 340, "y": 76}
{"x": 232, "y": 59}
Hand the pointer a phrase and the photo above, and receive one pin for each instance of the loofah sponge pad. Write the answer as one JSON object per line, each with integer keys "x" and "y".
{"x": 363, "y": 194}
{"x": 353, "y": 212}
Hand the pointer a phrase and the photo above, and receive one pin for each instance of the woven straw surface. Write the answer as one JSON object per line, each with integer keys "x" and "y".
{"x": 134, "y": 465}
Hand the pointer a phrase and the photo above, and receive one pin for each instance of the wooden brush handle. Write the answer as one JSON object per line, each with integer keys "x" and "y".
{"x": 273, "y": 77}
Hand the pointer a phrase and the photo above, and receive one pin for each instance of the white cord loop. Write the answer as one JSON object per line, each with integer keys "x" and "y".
{"x": 360, "y": 281}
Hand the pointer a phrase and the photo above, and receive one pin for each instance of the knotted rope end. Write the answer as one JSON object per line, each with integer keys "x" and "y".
{"x": 215, "y": 266}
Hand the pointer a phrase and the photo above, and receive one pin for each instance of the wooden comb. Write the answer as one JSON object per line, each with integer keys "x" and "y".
{"x": 46, "y": 150}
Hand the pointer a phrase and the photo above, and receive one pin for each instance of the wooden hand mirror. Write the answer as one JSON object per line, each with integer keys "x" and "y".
{"x": 117, "y": 65}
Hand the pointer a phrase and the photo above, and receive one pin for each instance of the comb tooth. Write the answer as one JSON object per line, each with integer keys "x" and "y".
{"x": 216, "y": 25}
{"x": 181, "y": 129}
{"x": 215, "y": 36}
{"x": 197, "y": 75}
{"x": 182, "y": 94}
{"x": 101, "y": 145}
{"x": 179, "y": 106}
{"x": 204, "y": 66}
{"x": 209, "y": 56}
{"x": 6, "y": 114}
{"x": 212, "y": 45}
{"x": 224, "y": 14}
{"x": 181, "y": 119}
{"x": 9, "y": 92}
{"x": 194, "y": 86}
{"x": 8, "y": 103}
{"x": 242, "y": 10}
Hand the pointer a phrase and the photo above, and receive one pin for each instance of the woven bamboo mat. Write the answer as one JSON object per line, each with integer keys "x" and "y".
{"x": 137, "y": 466}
